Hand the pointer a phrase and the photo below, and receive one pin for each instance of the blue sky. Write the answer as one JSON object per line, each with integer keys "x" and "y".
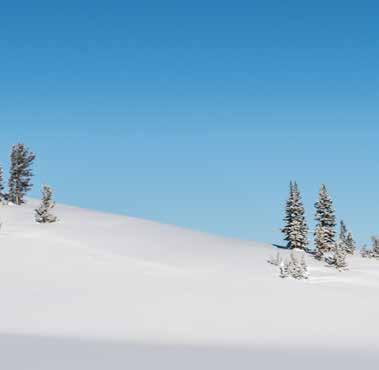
{"x": 199, "y": 113}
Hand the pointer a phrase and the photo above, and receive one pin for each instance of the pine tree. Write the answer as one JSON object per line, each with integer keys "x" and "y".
{"x": 276, "y": 261}
{"x": 375, "y": 247}
{"x": 20, "y": 173}
{"x": 288, "y": 219}
{"x": 339, "y": 256}
{"x": 365, "y": 253}
{"x": 343, "y": 232}
{"x": 43, "y": 213}
{"x": 293, "y": 267}
{"x": 347, "y": 239}
{"x": 325, "y": 230}
{"x": 304, "y": 266}
{"x": 2, "y": 188}
{"x": 295, "y": 229}
{"x": 350, "y": 244}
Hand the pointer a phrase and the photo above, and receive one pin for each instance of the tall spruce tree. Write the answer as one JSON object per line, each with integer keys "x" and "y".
{"x": 296, "y": 228}
{"x": 20, "y": 173}
{"x": 288, "y": 216}
{"x": 326, "y": 222}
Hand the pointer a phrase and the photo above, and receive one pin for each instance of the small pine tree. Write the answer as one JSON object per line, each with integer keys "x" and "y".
{"x": 304, "y": 266}
{"x": 347, "y": 239}
{"x": 283, "y": 269}
{"x": 276, "y": 261}
{"x": 20, "y": 173}
{"x": 350, "y": 244}
{"x": 293, "y": 267}
{"x": 2, "y": 188}
{"x": 326, "y": 221}
{"x": 43, "y": 213}
{"x": 375, "y": 247}
{"x": 365, "y": 253}
{"x": 343, "y": 231}
{"x": 296, "y": 228}
{"x": 339, "y": 256}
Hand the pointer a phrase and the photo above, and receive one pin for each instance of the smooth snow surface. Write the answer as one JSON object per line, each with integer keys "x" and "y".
{"x": 98, "y": 291}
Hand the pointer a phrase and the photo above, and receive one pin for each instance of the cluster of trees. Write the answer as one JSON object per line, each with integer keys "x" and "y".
{"x": 20, "y": 183}
{"x": 295, "y": 266}
{"x": 374, "y": 251}
{"x": 328, "y": 247}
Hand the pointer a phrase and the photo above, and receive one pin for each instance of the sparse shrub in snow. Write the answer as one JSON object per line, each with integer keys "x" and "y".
{"x": 296, "y": 228}
{"x": 294, "y": 267}
{"x": 43, "y": 213}
{"x": 326, "y": 221}
{"x": 276, "y": 261}
{"x": 20, "y": 173}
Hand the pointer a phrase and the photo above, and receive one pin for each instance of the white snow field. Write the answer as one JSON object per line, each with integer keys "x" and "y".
{"x": 99, "y": 291}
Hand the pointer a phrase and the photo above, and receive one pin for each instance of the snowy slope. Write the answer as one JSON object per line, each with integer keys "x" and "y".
{"x": 98, "y": 291}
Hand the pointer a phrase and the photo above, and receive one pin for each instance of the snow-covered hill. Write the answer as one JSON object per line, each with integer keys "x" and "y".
{"x": 99, "y": 291}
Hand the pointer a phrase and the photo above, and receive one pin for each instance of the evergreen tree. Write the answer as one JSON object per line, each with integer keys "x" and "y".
{"x": 2, "y": 188}
{"x": 339, "y": 256}
{"x": 375, "y": 247}
{"x": 350, "y": 244}
{"x": 43, "y": 213}
{"x": 343, "y": 232}
{"x": 288, "y": 219}
{"x": 296, "y": 228}
{"x": 294, "y": 267}
{"x": 20, "y": 173}
{"x": 365, "y": 252}
{"x": 326, "y": 222}
{"x": 346, "y": 239}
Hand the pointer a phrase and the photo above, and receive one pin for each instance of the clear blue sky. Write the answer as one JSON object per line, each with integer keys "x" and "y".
{"x": 197, "y": 113}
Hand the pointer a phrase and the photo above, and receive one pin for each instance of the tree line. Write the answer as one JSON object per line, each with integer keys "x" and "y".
{"x": 327, "y": 246}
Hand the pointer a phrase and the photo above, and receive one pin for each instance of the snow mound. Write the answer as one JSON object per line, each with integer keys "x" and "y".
{"x": 101, "y": 278}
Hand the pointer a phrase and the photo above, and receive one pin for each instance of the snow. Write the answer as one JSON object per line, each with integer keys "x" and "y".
{"x": 100, "y": 291}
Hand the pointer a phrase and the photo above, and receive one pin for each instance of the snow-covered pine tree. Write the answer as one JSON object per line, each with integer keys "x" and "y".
{"x": 20, "y": 173}
{"x": 343, "y": 232}
{"x": 283, "y": 269}
{"x": 326, "y": 221}
{"x": 296, "y": 228}
{"x": 2, "y": 188}
{"x": 276, "y": 261}
{"x": 365, "y": 253}
{"x": 347, "y": 239}
{"x": 304, "y": 266}
{"x": 375, "y": 247}
{"x": 288, "y": 219}
{"x": 339, "y": 255}
{"x": 294, "y": 267}
{"x": 43, "y": 212}
{"x": 350, "y": 244}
